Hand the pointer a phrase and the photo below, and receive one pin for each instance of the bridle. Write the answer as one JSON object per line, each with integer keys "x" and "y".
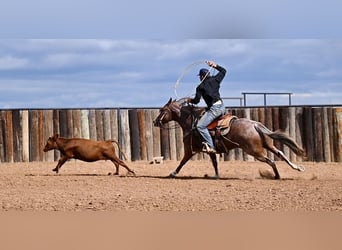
{"x": 175, "y": 107}
{"x": 167, "y": 109}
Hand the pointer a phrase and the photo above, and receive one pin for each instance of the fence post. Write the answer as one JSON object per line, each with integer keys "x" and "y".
{"x": 339, "y": 130}
{"x": 25, "y": 133}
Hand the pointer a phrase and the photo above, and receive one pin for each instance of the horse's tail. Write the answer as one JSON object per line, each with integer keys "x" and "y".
{"x": 120, "y": 150}
{"x": 279, "y": 136}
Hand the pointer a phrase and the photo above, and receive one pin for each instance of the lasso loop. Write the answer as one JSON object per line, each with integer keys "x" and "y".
{"x": 185, "y": 71}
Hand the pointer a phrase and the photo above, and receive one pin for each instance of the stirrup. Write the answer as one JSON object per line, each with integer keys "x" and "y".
{"x": 207, "y": 149}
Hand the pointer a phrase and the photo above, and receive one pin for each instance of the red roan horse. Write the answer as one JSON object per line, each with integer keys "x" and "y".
{"x": 251, "y": 136}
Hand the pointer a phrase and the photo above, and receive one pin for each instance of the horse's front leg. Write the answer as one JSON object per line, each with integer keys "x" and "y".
{"x": 187, "y": 155}
{"x": 214, "y": 162}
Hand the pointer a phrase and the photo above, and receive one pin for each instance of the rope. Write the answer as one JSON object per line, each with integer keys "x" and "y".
{"x": 185, "y": 71}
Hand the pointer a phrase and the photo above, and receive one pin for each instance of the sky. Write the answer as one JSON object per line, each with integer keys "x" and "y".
{"x": 72, "y": 54}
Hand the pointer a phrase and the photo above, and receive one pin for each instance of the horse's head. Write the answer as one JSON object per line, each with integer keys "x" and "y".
{"x": 170, "y": 112}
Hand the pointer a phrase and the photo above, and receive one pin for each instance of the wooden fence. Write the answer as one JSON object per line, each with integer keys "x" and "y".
{"x": 23, "y": 133}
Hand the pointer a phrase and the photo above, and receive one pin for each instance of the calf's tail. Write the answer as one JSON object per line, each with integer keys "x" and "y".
{"x": 280, "y": 136}
{"x": 120, "y": 150}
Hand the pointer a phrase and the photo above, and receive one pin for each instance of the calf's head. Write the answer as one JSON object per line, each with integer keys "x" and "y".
{"x": 51, "y": 143}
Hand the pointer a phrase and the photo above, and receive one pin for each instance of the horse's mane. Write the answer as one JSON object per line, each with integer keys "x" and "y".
{"x": 189, "y": 109}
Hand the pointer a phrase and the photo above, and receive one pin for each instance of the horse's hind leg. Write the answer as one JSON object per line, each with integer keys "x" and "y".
{"x": 294, "y": 166}
{"x": 271, "y": 163}
{"x": 269, "y": 146}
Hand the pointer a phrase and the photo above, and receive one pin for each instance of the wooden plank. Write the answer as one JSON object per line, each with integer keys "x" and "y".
{"x": 41, "y": 137}
{"x": 276, "y": 126}
{"x": 335, "y": 141}
{"x": 17, "y": 136}
{"x": 25, "y": 135}
{"x": 63, "y": 126}
{"x": 247, "y": 114}
{"x": 308, "y": 133}
{"x": 239, "y": 155}
{"x": 2, "y": 136}
{"x": 326, "y": 136}
{"x": 269, "y": 124}
{"x": 125, "y": 133}
{"x": 318, "y": 135}
{"x": 9, "y": 136}
{"x": 292, "y": 130}
{"x": 149, "y": 134}
{"x": 261, "y": 115}
{"x": 85, "y": 124}
{"x": 332, "y": 134}
{"x": 172, "y": 140}
{"x": 69, "y": 122}
{"x": 48, "y": 131}
{"x": 114, "y": 124}
{"x": 284, "y": 126}
{"x": 299, "y": 130}
{"x": 99, "y": 125}
{"x": 156, "y": 134}
{"x": 134, "y": 134}
{"x": 92, "y": 125}
{"x": 107, "y": 133}
{"x": 165, "y": 144}
{"x": 254, "y": 114}
{"x": 76, "y": 123}
{"x": 34, "y": 138}
{"x": 179, "y": 143}
{"x": 56, "y": 130}
{"x": 339, "y": 134}
{"x": 142, "y": 134}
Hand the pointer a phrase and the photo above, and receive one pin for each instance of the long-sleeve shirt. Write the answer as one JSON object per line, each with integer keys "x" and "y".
{"x": 209, "y": 88}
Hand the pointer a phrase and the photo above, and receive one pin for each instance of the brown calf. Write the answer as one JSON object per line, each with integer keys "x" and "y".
{"x": 85, "y": 150}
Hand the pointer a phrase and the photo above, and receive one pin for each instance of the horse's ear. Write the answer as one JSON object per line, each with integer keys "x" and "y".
{"x": 169, "y": 100}
{"x": 56, "y": 136}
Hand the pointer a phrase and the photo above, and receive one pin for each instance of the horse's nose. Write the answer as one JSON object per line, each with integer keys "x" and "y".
{"x": 155, "y": 123}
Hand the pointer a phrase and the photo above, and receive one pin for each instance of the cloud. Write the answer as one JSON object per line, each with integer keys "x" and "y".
{"x": 10, "y": 62}
{"x": 142, "y": 72}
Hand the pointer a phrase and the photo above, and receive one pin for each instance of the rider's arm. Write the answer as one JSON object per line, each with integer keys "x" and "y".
{"x": 197, "y": 97}
{"x": 221, "y": 71}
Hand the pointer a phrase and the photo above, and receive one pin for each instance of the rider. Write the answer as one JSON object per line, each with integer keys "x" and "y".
{"x": 209, "y": 90}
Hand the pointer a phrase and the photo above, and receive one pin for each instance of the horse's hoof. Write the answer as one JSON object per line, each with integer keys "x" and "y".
{"x": 131, "y": 173}
{"x": 215, "y": 177}
{"x": 172, "y": 175}
{"x": 301, "y": 168}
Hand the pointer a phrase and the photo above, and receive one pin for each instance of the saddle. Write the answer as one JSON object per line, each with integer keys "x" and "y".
{"x": 221, "y": 124}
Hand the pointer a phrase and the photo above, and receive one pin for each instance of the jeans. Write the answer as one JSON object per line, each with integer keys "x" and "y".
{"x": 214, "y": 112}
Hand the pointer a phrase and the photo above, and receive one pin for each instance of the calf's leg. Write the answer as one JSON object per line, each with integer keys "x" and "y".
{"x": 116, "y": 161}
{"x": 61, "y": 161}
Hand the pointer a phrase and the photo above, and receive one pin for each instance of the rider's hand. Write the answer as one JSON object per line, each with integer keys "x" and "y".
{"x": 211, "y": 64}
{"x": 188, "y": 100}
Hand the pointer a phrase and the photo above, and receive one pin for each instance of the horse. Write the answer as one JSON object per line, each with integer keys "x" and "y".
{"x": 252, "y": 137}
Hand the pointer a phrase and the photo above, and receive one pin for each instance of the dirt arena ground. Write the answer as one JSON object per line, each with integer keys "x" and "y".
{"x": 84, "y": 186}
{"x": 85, "y": 208}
